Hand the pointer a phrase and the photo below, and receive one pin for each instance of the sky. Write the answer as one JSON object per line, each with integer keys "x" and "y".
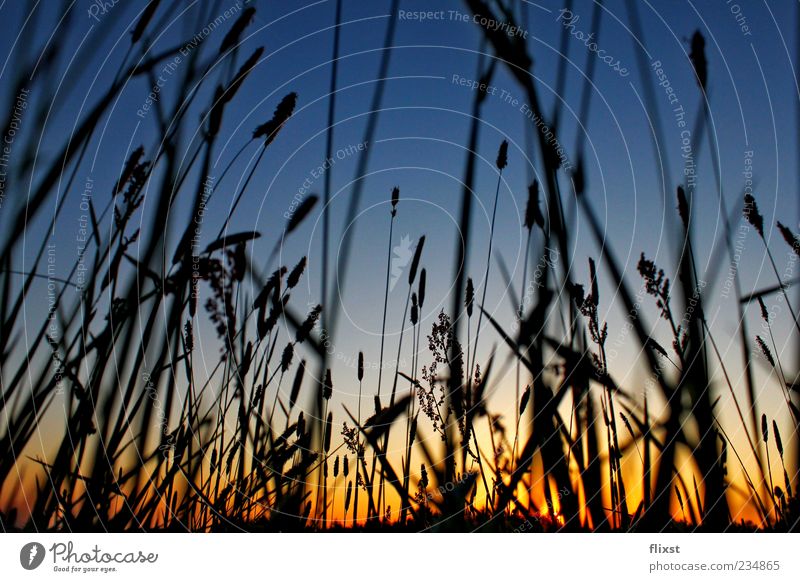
{"x": 422, "y": 133}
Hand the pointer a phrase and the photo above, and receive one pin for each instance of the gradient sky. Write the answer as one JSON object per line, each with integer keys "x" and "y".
{"x": 422, "y": 134}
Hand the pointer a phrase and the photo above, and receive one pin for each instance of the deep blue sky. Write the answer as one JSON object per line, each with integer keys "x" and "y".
{"x": 423, "y": 131}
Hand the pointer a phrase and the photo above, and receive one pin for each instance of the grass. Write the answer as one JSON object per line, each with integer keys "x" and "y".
{"x": 143, "y": 444}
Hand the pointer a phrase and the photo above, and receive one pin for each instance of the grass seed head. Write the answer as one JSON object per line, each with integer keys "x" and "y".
{"x": 300, "y": 214}
{"x": 683, "y": 207}
{"x": 297, "y": 272}
{"x": 328, "y": 429}
{"x": 395, "y": 199}
{"x": 286, "y": 357}
{"x": 778, "y": 440}
{"x": 697, "y": 55}
{"x": 765, "y": 350}
{"x": 469, "y": 298}
{"x": 234, "y": 34}
{"x": 533, "y": 214}
{"x": 523, "y": 402}
{"x": 502, "y": 155}
{"x": 284, "y": 110}
{"x": 412, "y": 273}
{"x": 327, "y": 390}
{"x": 791, "y": 239}
{"x": 423, "y": 276}
{"x": 752, "y": 214}
{"x": 298, "y": 381}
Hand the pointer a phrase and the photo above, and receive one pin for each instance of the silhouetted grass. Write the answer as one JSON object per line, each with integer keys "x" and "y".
{"x": 145, "y": 445}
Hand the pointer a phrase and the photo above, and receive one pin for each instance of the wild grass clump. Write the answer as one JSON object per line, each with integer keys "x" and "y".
{"x": 152, "y": 439}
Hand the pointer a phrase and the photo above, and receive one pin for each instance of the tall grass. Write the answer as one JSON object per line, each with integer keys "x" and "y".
{"x": 141, "y": 438}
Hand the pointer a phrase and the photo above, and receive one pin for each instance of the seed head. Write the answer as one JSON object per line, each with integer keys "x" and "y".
{"x": 294, "y": 277}
{"x": 533, "y": 214}
{"x": 348, "y": 496}
{"x": 502, "y": 155}
{"x": 683, "y": 206}
{"x": 469, "y": 299}
{"x": 302, "y": 211}
{"x": 283, "y": 112}
{"x": 523, "y": 402}
{"x": 778, "y": 440}
{"x": 232, "y": 38}
{"x": 298, "y": 381}
{"x": 286, "y": 358}
{"x": 423, "y": 276}
{"x": 328, "y": 429}
{"x": 698, "y": 58}
{"x": 752, "y": 215}
{"x": 304, "y": 330}
{"x": 412, "y": 273}
{"x": 791, "y": 239}
{"x": 765, "y": 350}
{"x": 395, "y": 199}
{"x": 327, "y": 390}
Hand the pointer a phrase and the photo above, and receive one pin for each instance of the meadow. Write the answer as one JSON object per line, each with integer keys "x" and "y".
{"x": 110, "y": 421}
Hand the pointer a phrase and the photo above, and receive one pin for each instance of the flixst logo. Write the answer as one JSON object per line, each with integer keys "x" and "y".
{"x": 31, "y": 555}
